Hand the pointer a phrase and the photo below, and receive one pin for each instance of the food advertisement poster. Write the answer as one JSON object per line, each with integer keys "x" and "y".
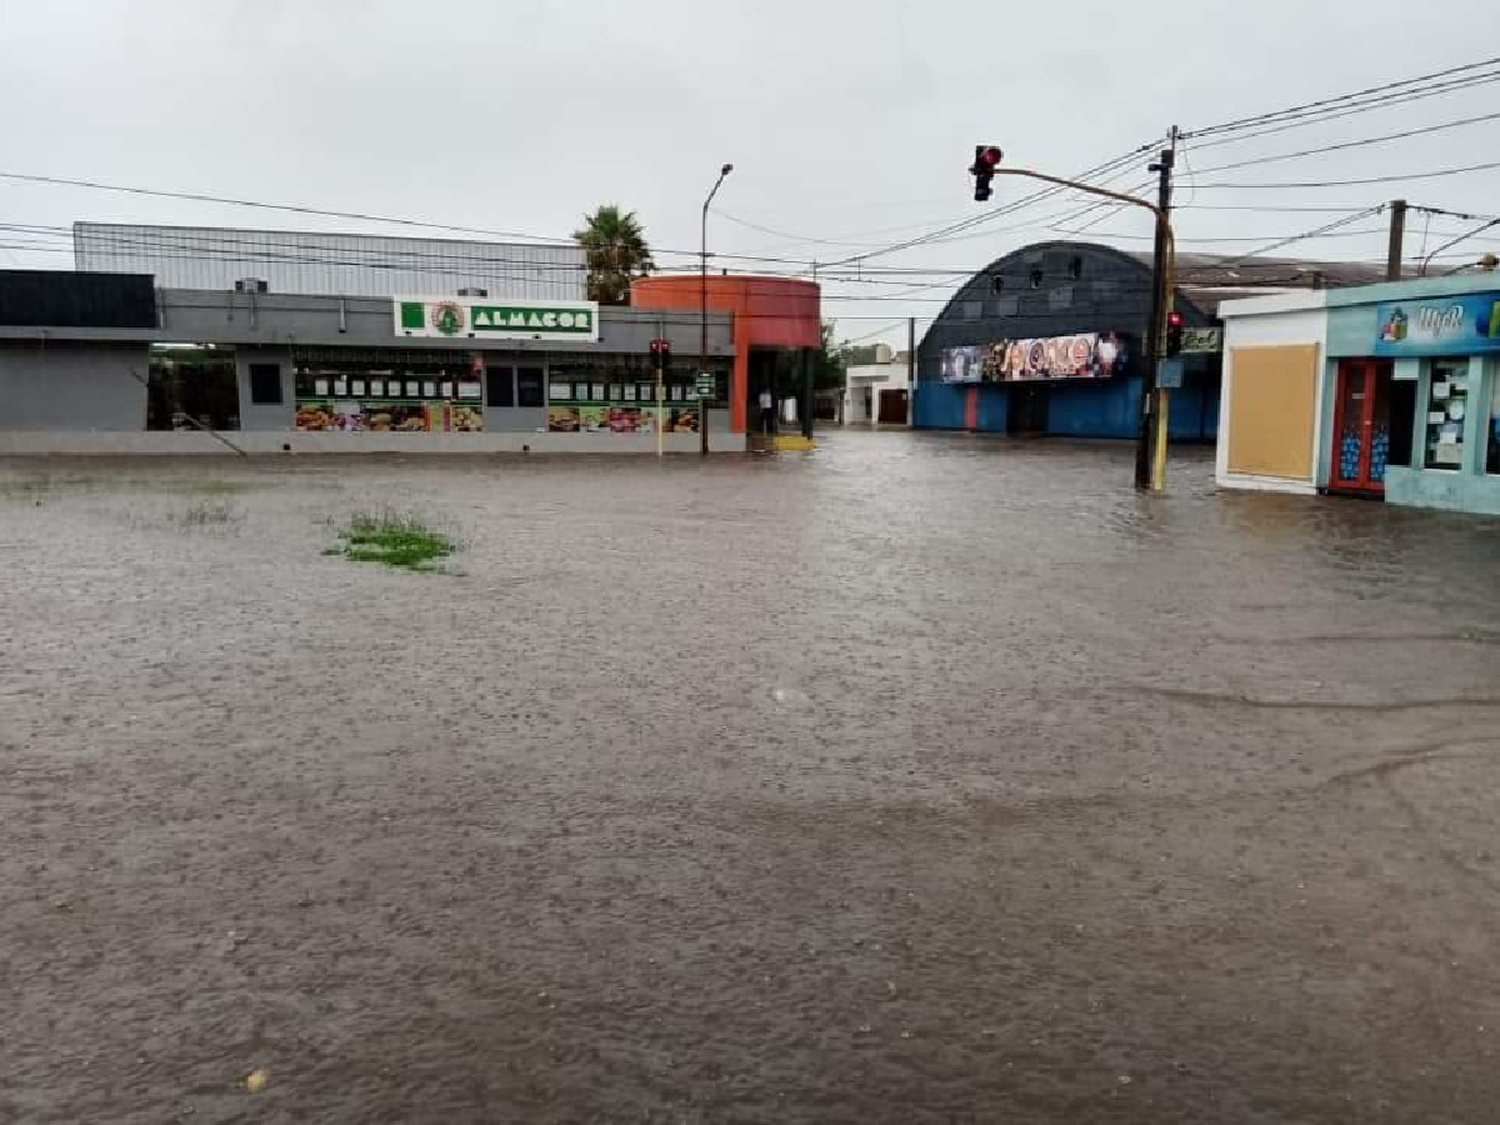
{"x": 618, "y": 418}
{"x": 388, "y": 417}
{"x": 1087, "y": 355}
{"x": 962, "y": 365}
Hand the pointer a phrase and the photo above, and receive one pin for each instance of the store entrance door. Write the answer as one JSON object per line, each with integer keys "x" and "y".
{"x": 514, "y": 397}
{"x": 1028, "y": 409}
{"x": 893, "y": 408}
{"x": 1372, "y": 427}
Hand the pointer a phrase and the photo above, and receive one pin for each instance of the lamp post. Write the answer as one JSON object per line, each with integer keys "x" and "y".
{"x": 1151, "y": 469}
{"x": 703, "y": 308}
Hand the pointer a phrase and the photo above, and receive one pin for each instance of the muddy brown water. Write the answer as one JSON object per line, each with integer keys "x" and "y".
{"x": 920, "y": 779}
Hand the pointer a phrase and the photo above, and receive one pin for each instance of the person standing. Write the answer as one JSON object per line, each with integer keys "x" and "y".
{"x": 767, "y": 410}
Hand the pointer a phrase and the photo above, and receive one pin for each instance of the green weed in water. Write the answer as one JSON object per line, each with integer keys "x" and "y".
{"x": 394, "y": 539}
{"x": 205, "y": 515}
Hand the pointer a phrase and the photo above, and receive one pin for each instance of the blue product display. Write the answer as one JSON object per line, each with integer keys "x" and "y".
{"x": 1380, "y": 453}
{"x": 1349, "y": 451}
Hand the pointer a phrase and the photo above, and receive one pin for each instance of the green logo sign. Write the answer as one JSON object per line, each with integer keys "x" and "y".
{"x": 526, "y": 318}
{"x": 448, "y": 318}
{"x": 461, "y": 316}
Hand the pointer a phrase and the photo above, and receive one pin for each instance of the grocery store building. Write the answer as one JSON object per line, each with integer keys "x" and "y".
{"x": 319, "y": 343}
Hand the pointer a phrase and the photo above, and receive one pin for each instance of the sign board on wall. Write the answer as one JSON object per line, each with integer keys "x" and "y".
{"x": 1202, "y": 341}
{"x": 483, "y": 318}
{"x": 963, "y": 365}
{"x": 1461, "y": 325}
{"x": 1087, "y": 355}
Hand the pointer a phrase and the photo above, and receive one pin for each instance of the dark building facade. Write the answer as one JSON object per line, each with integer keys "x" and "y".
{"x": 1049, "y": 339}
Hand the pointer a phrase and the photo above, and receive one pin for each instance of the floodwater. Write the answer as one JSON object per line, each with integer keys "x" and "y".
{"x": 924, "y": 778}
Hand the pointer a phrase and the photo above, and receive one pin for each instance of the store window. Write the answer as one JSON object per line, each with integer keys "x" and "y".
{"x": 529, "y": 387}
{"x": 500, "y": 386}
{"x": 192, "y": 387}
{"x": 388, "y": 390}
{"x": 1492, "y": 431}
{"x": 1447, "y": 406}
{"x": 265, "y": 384}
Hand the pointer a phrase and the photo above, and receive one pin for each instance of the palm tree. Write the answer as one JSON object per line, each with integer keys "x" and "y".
{"x": 614, "y": 246}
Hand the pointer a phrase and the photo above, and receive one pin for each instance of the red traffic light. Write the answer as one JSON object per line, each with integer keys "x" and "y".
{"x": 1174, "y": 319}
{"x": 989, "y": 155}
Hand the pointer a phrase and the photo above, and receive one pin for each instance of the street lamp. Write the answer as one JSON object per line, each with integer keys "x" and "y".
{"x": 703, "y": 309}
{"x": 987, "y": 164}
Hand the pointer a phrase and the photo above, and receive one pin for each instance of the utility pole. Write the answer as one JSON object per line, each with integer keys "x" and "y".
{"x": 807, "y": 393}
{"x": 703, "y": 309}
{"x": 1393, "y": 255}
{"x": 986, "y": 166}
{"x": 1150, "y": 397}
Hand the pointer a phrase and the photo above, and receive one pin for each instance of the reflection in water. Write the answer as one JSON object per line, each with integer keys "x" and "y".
{"x": 924, "y": 777}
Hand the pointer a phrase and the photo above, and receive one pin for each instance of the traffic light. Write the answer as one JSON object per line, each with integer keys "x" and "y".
{"x": 1174, "y": 334}
{"x": 661, "y": 354}
{"x": 986, "y": 160}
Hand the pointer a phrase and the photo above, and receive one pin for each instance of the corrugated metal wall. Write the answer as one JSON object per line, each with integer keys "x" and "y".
{"x": 353, "y": 265}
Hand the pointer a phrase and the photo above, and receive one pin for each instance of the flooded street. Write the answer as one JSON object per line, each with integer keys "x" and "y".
{"x": 924, "y": 778}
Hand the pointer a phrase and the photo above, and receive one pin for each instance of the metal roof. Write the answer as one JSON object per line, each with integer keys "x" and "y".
{"x": 1208, "y": 279}
{"x": 312, "y": 262}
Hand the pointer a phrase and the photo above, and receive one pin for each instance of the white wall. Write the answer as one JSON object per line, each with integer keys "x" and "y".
{"x": 876, "y": 376}
{"x": 1300, "y": 318}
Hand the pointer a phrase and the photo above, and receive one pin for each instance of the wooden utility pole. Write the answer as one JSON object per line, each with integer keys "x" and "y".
{"x": 1151, "y": 405}
{"x": 1393, "y": 255}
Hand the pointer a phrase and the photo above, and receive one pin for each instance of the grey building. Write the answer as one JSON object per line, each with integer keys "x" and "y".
{"x": 309, "y": 262}
{"x": 94, "y": 362}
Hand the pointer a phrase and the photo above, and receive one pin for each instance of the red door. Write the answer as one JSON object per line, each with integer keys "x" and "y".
{"x": 1361, "y": 427}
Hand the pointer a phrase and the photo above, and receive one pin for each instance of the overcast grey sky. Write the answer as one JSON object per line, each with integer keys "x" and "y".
{"x": 850, "y": 122}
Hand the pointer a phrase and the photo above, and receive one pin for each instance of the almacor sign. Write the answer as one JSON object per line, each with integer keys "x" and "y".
{"x": 480, "y": 317}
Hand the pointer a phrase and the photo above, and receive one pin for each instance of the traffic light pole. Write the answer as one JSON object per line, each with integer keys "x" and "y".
{"x": 1151, "y": 439}
{"x": 703, "y": 309}
{"x": 1164, "y": 274}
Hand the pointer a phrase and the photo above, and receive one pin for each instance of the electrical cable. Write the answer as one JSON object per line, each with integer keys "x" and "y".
{"x": 1351, "y": 144}
{"x": 873, "y": 332}
{"x": 199, "y": 197}
{"x": 879, "y": 275}
{"x": 1422, "y": 269}
{"x": 1386, "y": 89}
{"x": 993, "y": 213}
{"x": 1367, "y": 180}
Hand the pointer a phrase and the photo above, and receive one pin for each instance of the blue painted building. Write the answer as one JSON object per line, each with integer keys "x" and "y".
{"x": 1384, "y": 391}
{"x": 1055, "y": 297}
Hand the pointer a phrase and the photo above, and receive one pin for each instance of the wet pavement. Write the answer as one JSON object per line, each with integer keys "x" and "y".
{"x": 921, "y": 779}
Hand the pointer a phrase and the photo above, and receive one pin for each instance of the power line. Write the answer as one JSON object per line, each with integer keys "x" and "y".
{"x": 873, "y": 332}
{"x": 1317, "y": 232}
{"x": 1368, "y": 180}
{"x": 877, "y": 275}
{"x": 1229, "y": 238}
{"x": 1352, "y": 144}
{"x": 1011, "y": 208}
{"x": 1388, "y": 89}
{"x": 1422, "y": 271}
{"x": 820, "y": 241}
{"x": 200, "y": 197}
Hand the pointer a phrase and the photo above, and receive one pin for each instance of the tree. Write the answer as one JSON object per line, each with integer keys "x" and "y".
{"x": 828, "y": 364}
{"x": 614, "y": 246}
